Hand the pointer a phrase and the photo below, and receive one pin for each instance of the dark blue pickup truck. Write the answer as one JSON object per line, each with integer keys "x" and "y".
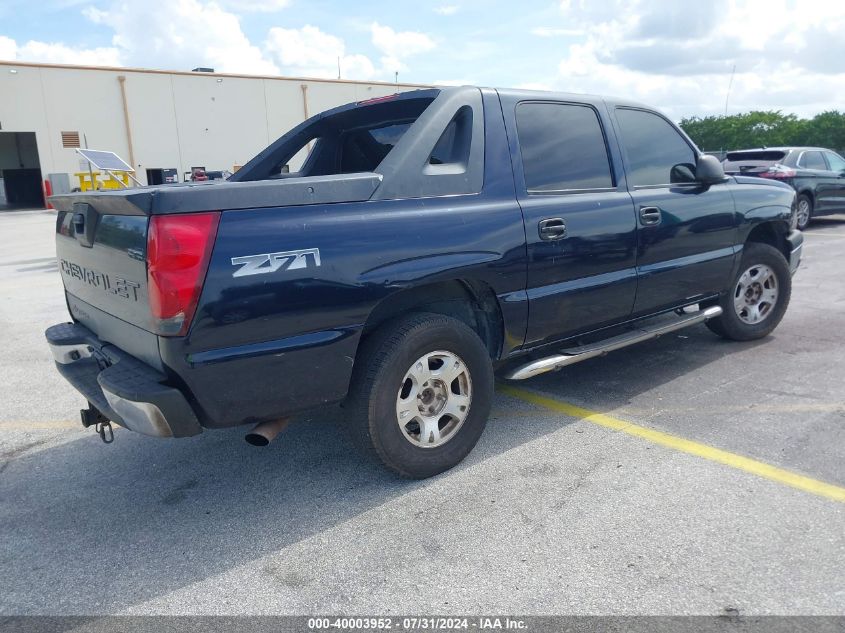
{"x": 394, "y": 255}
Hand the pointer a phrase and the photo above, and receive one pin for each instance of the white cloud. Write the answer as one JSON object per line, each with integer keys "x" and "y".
{"x": 57, "y": 53}
{"x": 396, "y": 46}
{"x": 310, "y": 52}
{"x": 454, "y": 82}
{"x": 447, "y": 9}
{"x": 256, "y": 6}
{"x": 399, "y": 43}
{"x": 680, "y": 58}
{"x": 545, "y": 31}
{"x": 8, "y": 48}
{"x": 182, "y": 34}
{"x": 534, "y": 85}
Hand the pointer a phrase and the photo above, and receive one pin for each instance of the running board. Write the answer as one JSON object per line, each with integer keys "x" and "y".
{"x": 577, "y": 354}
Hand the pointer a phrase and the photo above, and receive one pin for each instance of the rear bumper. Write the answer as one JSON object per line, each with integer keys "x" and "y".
{"x": 126, "y": 390}
{"x": 796, "y": 248}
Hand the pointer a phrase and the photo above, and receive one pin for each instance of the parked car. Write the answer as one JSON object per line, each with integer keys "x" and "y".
{"x": 218, "y": 174}
{"x": 429, "y": 239}
{"x": 816, "y": 173}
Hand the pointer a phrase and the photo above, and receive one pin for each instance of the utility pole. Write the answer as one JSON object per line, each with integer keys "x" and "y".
{"x": 730, "y": 85}
{"x": 338, "y": 66}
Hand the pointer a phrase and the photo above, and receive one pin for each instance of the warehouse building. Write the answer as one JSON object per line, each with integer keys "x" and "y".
{"x": 163, "y": 123}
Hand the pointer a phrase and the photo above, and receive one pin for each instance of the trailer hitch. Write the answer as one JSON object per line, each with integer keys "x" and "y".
{"x": 92, "y": 416}
{"x": 106, "y": 432}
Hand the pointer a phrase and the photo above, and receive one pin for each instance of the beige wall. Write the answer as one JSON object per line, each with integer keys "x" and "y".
{"x": 176, "y": 119}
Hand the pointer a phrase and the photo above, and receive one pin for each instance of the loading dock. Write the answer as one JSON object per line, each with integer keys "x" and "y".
{"x": 20, "y": 171}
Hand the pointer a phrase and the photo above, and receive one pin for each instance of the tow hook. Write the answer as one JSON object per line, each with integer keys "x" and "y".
{"x": 105, "y": 431}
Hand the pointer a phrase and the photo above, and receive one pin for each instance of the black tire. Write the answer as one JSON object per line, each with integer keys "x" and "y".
{"x": 803, "y": 223}
{"x": 730, "y": 324}
{"x": 381, "y": 365}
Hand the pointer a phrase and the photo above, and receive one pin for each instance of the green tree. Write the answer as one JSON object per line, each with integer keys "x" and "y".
{"x": 765, "y": 129}
{"x": 827, "y": 130}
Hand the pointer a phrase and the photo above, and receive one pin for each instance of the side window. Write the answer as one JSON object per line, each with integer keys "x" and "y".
{"x": 562, "y": 147}
{"x": 812, "y": 160}
{"x": 454, "y": 144}
{"x": 657, "y": 153}
{"x": 836, "y": 162}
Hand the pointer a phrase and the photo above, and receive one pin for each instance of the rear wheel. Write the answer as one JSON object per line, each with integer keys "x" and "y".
{"x": 805, "y": 211}
{"x": 420, "y": 394}
{"x": 759, "y": 295}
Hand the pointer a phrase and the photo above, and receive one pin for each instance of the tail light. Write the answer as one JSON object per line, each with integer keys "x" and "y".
{"x": 778, "y": 172}
{"x": 178, "y": 250}
{"x": 395, "y": 95}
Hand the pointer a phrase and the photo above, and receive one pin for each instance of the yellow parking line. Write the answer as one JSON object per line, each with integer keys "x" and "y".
{"x": 761, "y": 469}
{"x": 810, "y": 407}
{"x": 39, "y": 426}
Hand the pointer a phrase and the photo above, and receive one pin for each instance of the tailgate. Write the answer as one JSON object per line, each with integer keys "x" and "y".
{"x": 102, "y": 261}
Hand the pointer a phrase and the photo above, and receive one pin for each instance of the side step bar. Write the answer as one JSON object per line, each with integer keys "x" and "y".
{"x": 577, "y": 354}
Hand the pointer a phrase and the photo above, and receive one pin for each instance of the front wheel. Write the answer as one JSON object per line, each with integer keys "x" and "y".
{"x": 420, "y": 394}
{"x": 758, "y": 297}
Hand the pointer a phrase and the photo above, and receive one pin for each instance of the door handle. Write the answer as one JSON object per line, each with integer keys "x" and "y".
{"x": 552, "y": 229}
{"x": 650, "y": 216}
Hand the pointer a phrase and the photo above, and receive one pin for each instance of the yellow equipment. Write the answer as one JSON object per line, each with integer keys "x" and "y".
{"x": 110, "y": 180}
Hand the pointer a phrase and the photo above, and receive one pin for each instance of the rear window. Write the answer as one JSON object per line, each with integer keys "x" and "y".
{"x": 364, "y": 149}
{"x": 740, "y": 161}
{"x": 354, "y": 139}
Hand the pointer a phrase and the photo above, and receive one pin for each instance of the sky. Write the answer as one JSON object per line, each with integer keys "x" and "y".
{"x": 676, "y": 55}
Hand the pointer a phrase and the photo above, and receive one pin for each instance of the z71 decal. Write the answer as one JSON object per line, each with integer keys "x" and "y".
{"x": 271, "y": 262}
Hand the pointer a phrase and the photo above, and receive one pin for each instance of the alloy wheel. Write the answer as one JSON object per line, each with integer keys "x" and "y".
{"x": 756, "y": 294}
{"x": 434, "y": 399}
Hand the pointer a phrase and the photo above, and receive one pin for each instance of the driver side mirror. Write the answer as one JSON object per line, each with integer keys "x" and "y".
{"x": 708, "y": 170}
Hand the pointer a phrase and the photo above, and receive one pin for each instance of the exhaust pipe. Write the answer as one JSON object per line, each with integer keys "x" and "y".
{"x": 264, "y": 432}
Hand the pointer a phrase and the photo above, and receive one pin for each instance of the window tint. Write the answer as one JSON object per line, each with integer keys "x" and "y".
{"x": 750, "y": 161}
{"x": 657, "y": 153}
{"x": 836, "y": 162}
{"x": 812, "y": 160}
{"x": 454, "y": 144}
{"x": 562, "y": 147}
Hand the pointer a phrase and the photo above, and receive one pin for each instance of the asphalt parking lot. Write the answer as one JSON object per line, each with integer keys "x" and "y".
{"x": 553, "y": 513}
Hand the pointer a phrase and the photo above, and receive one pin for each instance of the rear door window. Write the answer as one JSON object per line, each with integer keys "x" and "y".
{"x": 657, "y": 153}
{"x": 836, "y": 162}
{"x": 562, "y": 147}
{"x": 813, "y": 160}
